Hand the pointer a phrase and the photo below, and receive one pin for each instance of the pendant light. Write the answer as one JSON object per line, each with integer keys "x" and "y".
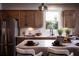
{"x": 42, "y": 7}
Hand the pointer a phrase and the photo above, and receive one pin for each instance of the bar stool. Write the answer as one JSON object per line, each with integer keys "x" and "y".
{"x": 59, "y": 52}
{"x": 27, "y": 52}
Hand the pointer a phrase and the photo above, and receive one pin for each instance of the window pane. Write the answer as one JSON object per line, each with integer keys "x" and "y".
{"x": 53, "y": 19}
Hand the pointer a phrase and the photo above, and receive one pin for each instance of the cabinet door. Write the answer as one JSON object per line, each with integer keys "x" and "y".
{"x": 27, "y": 18}
{"x": 38, "y": 19}
{"x": 31, "y": 18}
{"x": 68, "y": 18}
{"x": 19, "y": 40}
{"x": 22, "y": 19}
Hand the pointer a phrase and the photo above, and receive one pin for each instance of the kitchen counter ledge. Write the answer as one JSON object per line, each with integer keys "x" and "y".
{"x": 36, "y": 37}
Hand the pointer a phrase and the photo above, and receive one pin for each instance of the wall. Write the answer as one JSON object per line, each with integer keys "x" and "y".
{"x": 63, "y": 6}
{"x": 34, "y": 6}
{"x": 20, "y": 6}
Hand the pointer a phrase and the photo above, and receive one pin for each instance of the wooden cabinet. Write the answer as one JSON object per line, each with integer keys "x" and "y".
{"x": 19, "y": 40}
{"x": 69, "y": 18}
{"x": 38, "y": 19}
{"x": 11, "y": 13}
{"x": 22, "y": 19}
{"x": 27, "y": 18}
{"x": 31, "y": 18}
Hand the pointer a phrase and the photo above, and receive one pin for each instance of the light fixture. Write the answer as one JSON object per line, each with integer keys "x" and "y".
{"x": 42, "y": 7}
{"x": 30, "y": 30}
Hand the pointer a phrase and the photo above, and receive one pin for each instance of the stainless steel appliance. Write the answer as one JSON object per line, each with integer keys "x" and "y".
{"x": 8, "y": 30}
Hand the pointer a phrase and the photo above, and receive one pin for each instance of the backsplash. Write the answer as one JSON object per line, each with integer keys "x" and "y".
{"x": 41, "y": 30}
{"x": 44, "y": 32}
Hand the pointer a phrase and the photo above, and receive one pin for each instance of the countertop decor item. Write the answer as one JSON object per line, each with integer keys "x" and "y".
{"x": 67, "y": 40}
{"x": 60, "y": 31}
{"x": 57, "y": 43}
{"x": 38, "y": 34}
{"x": 77, "y": 44}
{"x": 31, "y": 43}
{"x": 67, "y": 32}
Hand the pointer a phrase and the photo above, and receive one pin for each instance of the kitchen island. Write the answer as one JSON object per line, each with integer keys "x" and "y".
{"x": 44, "y": 44}
{"x": 48, "y": 43}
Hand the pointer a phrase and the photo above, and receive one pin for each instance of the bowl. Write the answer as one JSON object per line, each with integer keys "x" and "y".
{"x": 38, "y": 34}
{"x": 31, "y": 43}
{"x": 77, "y": 44}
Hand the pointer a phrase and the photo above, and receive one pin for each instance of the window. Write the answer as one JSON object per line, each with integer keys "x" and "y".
{"x": 53, "y": 19}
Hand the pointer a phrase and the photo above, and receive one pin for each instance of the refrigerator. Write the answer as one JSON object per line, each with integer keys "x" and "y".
{"x": 8, "y": 31}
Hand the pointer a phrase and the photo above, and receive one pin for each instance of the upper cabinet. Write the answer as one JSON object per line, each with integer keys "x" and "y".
{"x": 38, "y": 19}
{"x": 69, "y": 18}
{"x": 10, "y": 13}
{"x": 27, "y": 18}
{"x": 31, "y": 18}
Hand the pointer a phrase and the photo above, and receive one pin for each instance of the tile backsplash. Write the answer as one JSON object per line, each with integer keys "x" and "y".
{"x": 44, "y": 32}
{"x": 41, "y": 30}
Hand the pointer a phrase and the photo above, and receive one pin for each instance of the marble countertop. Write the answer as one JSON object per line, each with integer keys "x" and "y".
{"x": 48, "y": 43}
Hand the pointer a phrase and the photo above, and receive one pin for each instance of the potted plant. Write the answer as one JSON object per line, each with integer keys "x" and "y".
{"x": 67, "y": 31}
{"x": 60, "y": 31}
